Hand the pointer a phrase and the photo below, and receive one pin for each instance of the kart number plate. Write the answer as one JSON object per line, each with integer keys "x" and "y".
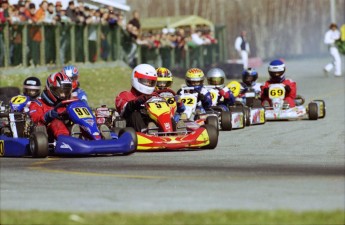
{"x": 82, "y": 112}
{"x": 235, "y": 87}
{"x": 188, "y": 101}
{"x": 18, "y": 99}
{"x": 276, "y": 92}
{"x": 156, "y": 106}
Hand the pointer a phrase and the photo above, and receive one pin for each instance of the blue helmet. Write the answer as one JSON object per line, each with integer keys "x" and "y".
{"x": 249, "y": 76}
{"x": 276, "y": 69}
{"x": 73, "y": 73}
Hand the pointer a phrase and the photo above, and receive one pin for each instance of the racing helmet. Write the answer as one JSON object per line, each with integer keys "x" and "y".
{"x": 249, "y": 76}
{"x": 215, "y": 76}
{"x": 195, "y": 78}
{"x": 276, "y": 69}
{"x": 144, "y": 78}
{"x": 164, "y": 78}
{"x": 32, "y": 87}
{"x": 73, "y": 73}
{"x": 58, "y": 88}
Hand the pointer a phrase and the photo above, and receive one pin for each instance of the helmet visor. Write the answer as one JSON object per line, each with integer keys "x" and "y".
{"x": 147, "y": 82}
{"x": 63, "y": 92}
{"x": 216, "y": 80}
{"x": 193, "y": 83}
{"x": 163, "y": 84}
{"x": 32, "y": 92}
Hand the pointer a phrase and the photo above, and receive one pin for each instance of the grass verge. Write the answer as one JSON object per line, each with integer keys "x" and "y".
{"x": 211, "y": 217}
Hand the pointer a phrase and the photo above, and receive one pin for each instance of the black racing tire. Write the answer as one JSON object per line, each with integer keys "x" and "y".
{"x": 313, "y": 111}
{"x": 323, "y": 109}
{"x": 134, "y": 137}
{"x": 246, "y": 115}
{"x": 213, "y": 121}
{"x": 225, "y": 120}
{"x": 38, "y": 143}
{"x": 213, "y": 136}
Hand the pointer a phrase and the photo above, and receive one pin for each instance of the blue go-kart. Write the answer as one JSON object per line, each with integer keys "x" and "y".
{"x": 19, "y": 137}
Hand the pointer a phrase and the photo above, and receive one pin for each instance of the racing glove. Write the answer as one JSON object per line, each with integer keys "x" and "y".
{"x": 50, "y": 115}
{"x": 201, "y": 97}
{"x": 287, "y": 89}
{"x": 265, "y": 92}
{"x": 136, "y": 104}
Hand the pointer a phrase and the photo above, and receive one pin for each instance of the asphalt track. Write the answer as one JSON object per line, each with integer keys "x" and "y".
{"x": 296, "y": 165}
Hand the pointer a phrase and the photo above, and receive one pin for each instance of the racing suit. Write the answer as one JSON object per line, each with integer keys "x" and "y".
{"x": 290, "y": 92}
{"x": 222, "y": 97}
{"x": 203, "y": 96}
{"x": 128, "y": 104}
{"x": 40, "y": 114}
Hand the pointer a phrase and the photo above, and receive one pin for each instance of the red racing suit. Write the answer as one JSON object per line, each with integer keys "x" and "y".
{"x": 123, "y": 98}
{"x": 38, "y": 108}
{"x": 290, "y": 95}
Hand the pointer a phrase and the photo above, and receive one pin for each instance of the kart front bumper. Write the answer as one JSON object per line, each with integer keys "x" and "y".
{"x": 194, "y": 140}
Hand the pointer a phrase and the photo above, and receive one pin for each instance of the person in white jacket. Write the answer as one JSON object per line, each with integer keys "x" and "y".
{"x": 243, "y": 49}
{"x": 331, "y": 36}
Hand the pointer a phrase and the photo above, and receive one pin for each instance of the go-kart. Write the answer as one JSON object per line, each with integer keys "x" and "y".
{"x": 249, "y": 103}
{"x": 279, "y": 110}
{"x": 86, "y": 138}
{"x": 163, "y": 133}
{"x": 229, "y": 117}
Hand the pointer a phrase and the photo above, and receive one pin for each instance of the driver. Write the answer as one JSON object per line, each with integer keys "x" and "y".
{"x": 58, "y": 88}
{"x": 73, "y": 73}
{"x": 276, "y": 70}
{"x": 129, "y": 103}
{"x": 195, "y": 79}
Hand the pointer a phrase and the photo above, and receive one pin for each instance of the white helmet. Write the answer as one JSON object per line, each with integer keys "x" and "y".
{"x": 216, "y": 77}
{"x": 144, "y": 78}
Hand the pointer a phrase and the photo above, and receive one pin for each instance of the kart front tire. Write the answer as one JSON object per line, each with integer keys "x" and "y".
{"x": 225, "y": 120}
{"x": 323, "y": 109}
{"x": 38, "y": 143}
{"x": 105, "y": 132}
{"x": 134, "y": 137}
{"x": 313, "y": 111}
{"x": 212, "y": 135}
{"x": 213, "y": 121}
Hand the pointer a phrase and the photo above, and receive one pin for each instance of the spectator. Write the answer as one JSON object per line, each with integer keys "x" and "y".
{"x": 94, "y": 18}
{"x": 49, "y": 33}
{"x": 331, "y": 36}
{"x": 135, "y": 20}
{"x": 71, "y": 12}
{"x": 4, "y": 16}
{"x": 243, "y": 49}
{"x": 197, "y": 38}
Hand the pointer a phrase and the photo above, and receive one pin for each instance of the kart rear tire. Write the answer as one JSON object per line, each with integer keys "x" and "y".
{"x": 213, "y": 136}
{"x": 246, "y": 115}
{"x": 38, "y": 143}
{"x": 213, "y": 121}
{"x": 225, "y": 120}
{"x": 134, "y": 137}
{"x": 313, "y": 111}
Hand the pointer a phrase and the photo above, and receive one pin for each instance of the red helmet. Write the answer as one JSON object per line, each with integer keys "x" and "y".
{"x": 58, "y": 87}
